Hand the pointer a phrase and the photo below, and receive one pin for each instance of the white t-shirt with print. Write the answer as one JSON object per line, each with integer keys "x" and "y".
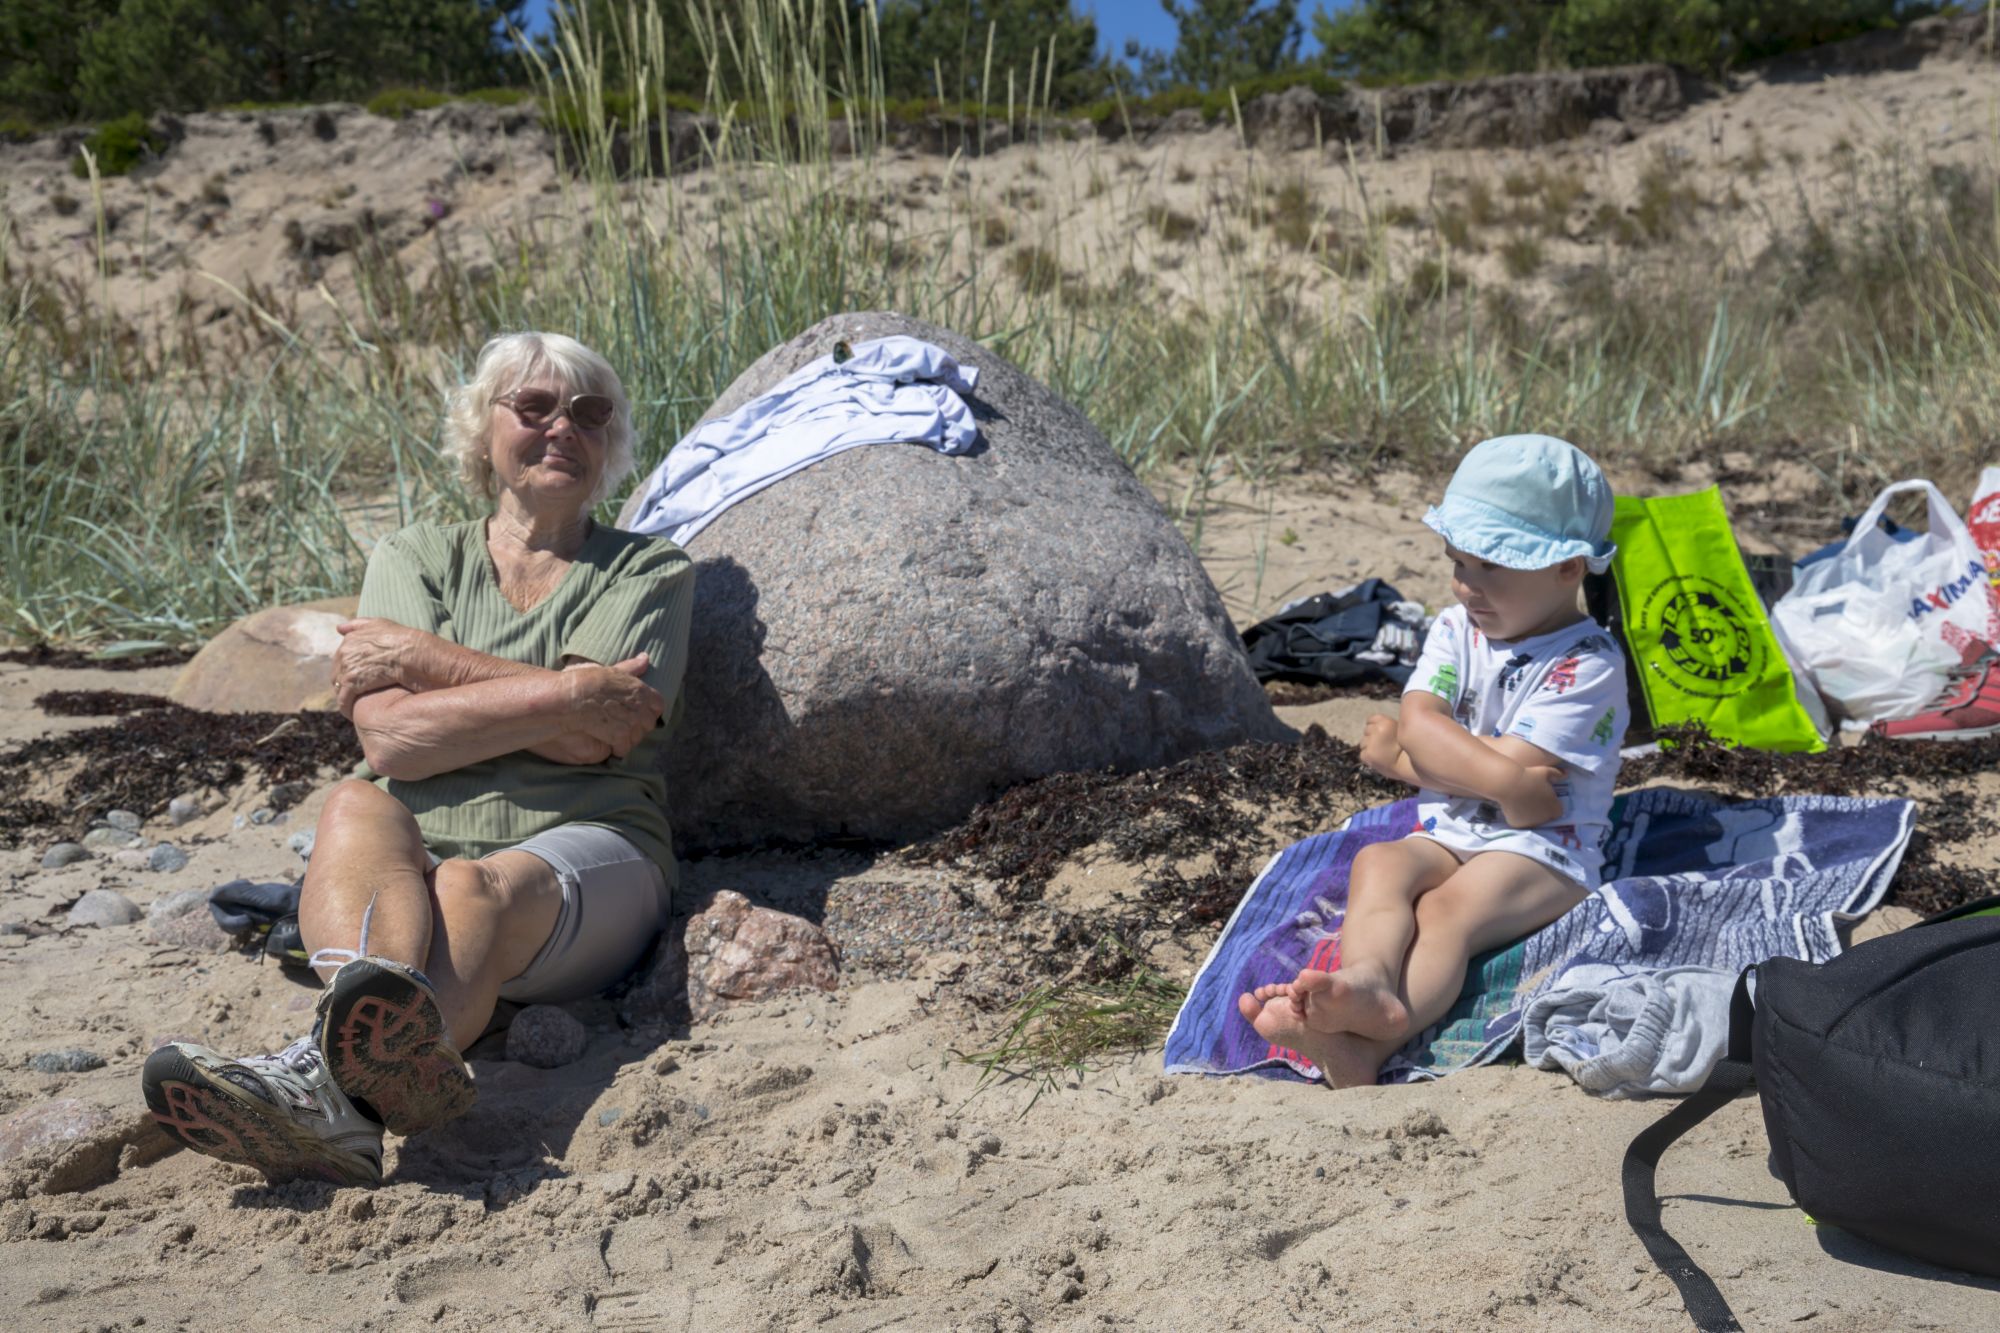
{"x": 1562, "y": 692}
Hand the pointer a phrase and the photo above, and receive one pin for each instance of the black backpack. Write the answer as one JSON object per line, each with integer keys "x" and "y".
{"x": 1869, "y": 1066}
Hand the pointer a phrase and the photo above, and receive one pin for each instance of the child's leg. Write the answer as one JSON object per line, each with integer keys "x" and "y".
{"x": 1494, "y": 898}
{"x": 1388, "y": 880}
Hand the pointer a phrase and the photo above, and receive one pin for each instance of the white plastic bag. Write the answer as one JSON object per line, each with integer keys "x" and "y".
{"x": 1880, "y": 624}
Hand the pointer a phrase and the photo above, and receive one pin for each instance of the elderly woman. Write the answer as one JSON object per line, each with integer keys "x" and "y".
{"x": 505, "y": 838}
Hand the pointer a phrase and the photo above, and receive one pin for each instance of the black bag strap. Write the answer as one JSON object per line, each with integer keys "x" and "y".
{"x": 1705, "y": 1305}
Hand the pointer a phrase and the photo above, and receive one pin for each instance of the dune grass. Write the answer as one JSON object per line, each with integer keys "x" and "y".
{"x": 154, "y": 486}
{"x": 1065, "y": 1029}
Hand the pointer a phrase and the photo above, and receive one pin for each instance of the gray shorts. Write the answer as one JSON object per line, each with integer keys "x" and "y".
{"x": 614, "y": 902}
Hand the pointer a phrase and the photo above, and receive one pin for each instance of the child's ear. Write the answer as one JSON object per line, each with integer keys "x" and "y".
{"x": 1572, "y": 570}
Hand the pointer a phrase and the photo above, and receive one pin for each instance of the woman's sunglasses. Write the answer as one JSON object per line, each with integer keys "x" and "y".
{"x": 537, "y": 407}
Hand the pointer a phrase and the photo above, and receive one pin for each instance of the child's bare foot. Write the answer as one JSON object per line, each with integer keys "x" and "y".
{"x": 1329, "y": 1002}
{"x": 1346, "y": 1060}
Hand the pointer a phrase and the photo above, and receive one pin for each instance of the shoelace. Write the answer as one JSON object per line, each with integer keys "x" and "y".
{"x": 322, "y": 956}
{"x": 301, "y": 1057}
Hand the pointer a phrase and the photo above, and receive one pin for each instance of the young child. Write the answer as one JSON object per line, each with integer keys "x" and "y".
{"x": 1511, "y": 725}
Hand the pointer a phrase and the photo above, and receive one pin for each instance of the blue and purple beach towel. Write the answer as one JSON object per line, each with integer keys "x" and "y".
{"x": 1690, "y": 881}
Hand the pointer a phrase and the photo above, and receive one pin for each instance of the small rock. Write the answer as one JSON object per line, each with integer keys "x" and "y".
{"x": 125, "y": 821}
{"x": 263, "y": 814}
{"x": 237, "y": 822}
{"x": 285, "y": 795}
{"x": 75, "y": 1060}
{"x": 13, "y": 927}
{"x": 615, "y": 1184}
{"x": 166, "y": 858}
{"x": 302, "y": 843}
{"x": 609, "y": 1116}
{"x": 51, "y": 1122}
{"x": 176, "y": 904}
{"x": 191, "y": 928}
{"x": 730, "y": 952}
{"x": 183, "y": 808}
{"x": 103, "y": 907}
{"x": 63, "y": 854}
{"x": 546, "y": 1037}
{"x": 109, "y": 839}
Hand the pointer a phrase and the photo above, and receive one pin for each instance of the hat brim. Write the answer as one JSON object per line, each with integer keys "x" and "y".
{"x": 1505, "y": 541}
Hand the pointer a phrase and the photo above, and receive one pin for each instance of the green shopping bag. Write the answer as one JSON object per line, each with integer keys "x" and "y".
{"x": 1700, "y": 645}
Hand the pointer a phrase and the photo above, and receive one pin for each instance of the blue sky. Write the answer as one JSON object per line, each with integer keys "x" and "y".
{"x": 1117, "y": 21}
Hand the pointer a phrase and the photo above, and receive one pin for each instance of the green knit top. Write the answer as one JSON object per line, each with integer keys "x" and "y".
{"x": 624, "y": 594}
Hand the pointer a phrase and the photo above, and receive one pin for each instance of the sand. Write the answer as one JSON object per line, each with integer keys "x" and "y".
{"x": 823, "y": 1161}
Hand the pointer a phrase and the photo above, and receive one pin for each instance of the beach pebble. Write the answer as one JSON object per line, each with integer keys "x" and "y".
{"x": 288, "y": 794}
{"x": 125, "y": 821}
{"x": 74, "y": 1060}
{"x": 63, "y": 854}
{"x": 546, "y": 1037}
{"x": 183, "y": 808}
{"x": 176, "y": 904}
{"x": 166, "y": 857}
{"x": 182, "y": 921}
{"x": 263, "y": 815}
{"x": 109, "y": 839}
{"x": 615, "y": 1184}
{"x": 302, "y": 843}
{"x": 103, "y": 907}
{"x": 730, "y": 952}
{"x": 609, "y": 1116}
{"x": 51, "y": 1122}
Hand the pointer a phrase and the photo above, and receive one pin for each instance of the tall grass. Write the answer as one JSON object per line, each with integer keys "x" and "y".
{"x": 155, "y": 484}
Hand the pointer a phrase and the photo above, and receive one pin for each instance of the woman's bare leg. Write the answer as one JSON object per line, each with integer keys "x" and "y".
{"x": 468, "y": 926}
{"x": 491, "y": 919}
{"x": 367, "y": 849}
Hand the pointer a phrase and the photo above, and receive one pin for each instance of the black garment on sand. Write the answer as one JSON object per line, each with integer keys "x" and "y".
{"x": 1316, "y": 641}
{"x": 244, "y": 905}
{"x": 1879, "y": 1073}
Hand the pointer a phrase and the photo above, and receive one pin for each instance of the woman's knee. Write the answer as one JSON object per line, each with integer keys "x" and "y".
{"x": 469, "y": 886}
{"x": 354, "y": 798}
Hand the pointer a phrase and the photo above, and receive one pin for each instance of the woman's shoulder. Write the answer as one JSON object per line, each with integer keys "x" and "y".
{"x": 626, "y": 554}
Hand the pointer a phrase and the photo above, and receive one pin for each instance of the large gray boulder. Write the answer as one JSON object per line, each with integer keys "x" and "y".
{"x": 886, "y": 638}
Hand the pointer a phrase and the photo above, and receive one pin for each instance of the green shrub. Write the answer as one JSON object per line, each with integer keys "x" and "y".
{"x": 398, "y": 103}
{"x": 119, "y": 145}
{"x": 495, "y": 96}
{"x": 1522, "y": 256}
{"x": 16, "y": 129}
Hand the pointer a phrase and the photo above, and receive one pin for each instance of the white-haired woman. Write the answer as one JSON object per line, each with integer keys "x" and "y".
{"x": 508, "y": 678}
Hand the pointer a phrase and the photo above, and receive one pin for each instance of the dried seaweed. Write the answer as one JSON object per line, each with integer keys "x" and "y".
{"x": 1214, "y": 804}
{"x": 152, "y": 753}
{"x": 42, "y": 655}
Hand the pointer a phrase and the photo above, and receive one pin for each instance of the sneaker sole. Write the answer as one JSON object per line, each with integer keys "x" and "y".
{"x": 1949, "y": 734}
{"x": 384, "y": 1040}
{"x": 215, "y": 1118}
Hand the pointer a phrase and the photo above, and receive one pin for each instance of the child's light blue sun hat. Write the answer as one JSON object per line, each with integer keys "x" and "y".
{"x": 1527, "y": 502}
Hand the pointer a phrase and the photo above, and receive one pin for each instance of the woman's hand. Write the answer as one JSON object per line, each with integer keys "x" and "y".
{"x": 1381, "y": 746}
{"x": 373, "y": 654}
{"x": 614, "y": 705}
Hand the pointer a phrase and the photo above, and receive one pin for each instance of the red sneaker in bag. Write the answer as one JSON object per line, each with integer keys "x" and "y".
{"x": 1968, "y": 708}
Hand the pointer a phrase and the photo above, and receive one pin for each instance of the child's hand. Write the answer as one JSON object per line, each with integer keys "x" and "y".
{"x": 1534, "y": 801}
{"x": 1381, "y": 746}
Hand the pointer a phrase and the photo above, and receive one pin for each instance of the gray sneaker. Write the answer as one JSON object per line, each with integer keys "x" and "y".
{"x": 282, "y": 1114}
